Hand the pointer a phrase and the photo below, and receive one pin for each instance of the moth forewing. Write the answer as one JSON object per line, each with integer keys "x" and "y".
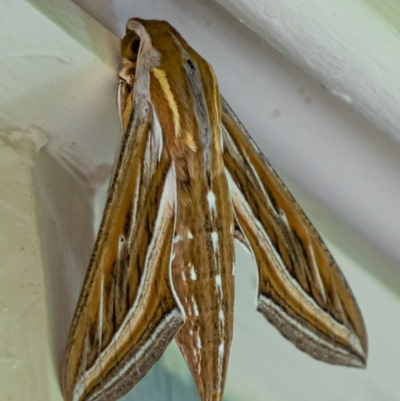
{"x": 127, "y": 312}
{"x": 301, "y": 289}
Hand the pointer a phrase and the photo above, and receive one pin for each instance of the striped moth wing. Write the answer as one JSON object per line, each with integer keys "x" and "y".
{"x": 187, "y": 181}
{"x": 127, "y": 313}
{"x": 302, "y": 291}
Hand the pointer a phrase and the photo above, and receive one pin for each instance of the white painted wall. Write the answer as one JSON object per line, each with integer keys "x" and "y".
{"x": 60, "y": 68}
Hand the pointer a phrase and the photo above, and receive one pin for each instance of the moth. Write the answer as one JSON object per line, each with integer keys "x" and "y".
{"x": 188, "y": 181}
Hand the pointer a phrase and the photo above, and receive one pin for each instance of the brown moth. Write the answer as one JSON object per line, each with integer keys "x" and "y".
{"x": 188, "y": 180}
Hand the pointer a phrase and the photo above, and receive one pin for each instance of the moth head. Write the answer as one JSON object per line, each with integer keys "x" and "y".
{"x": 130, "y": 46}
{"x": 135, "y": 34}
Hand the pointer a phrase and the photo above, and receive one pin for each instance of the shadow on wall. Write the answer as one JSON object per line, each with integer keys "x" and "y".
{"x": 65, "y": 215}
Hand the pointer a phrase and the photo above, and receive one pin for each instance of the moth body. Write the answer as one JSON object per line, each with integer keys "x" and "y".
{"x": 188, "y": 180}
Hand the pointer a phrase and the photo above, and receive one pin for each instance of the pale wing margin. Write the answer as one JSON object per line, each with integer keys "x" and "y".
{"x": 127, "y": 312}
{"x": 302, "y": 291}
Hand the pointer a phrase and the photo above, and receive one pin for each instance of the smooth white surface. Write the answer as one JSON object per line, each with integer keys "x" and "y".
{"x": 301, "y": 128}
{"x": 346, "y": 44}
{"x": 23, "y": 320}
